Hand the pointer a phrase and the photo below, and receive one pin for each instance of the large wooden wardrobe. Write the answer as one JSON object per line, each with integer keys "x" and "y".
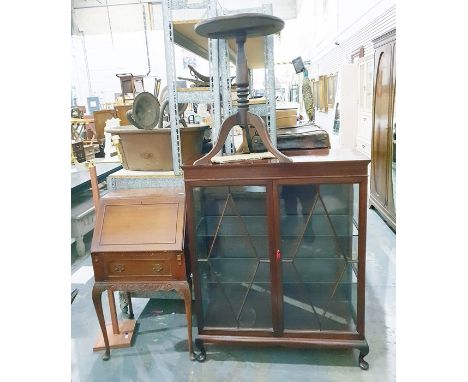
{"x": 383, "y": 166}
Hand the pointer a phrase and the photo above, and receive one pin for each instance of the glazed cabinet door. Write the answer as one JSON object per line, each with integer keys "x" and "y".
{"x": 382, "y": 123}
{"x": 318, "y": 242}
{"x": 231, "y": 263}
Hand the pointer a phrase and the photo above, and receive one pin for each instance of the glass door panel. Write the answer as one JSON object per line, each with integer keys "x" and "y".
{"x": 318, "y": 243}
{"x": 231, "y": 234}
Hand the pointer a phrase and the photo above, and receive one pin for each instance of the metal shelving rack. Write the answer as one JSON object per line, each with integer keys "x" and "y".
{"x": 175, "y": 97}
{"x": 219, "y": 57}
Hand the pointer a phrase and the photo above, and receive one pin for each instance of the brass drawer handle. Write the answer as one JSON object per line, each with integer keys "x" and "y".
{"x": 119, "y": 268}
{"x": 157, "y": 267}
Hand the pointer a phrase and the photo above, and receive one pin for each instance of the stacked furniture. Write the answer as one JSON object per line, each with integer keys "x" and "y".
{"x": 277, "y": 246}
{"x": 100, "y": 118}
{"x": 130, "y": 84}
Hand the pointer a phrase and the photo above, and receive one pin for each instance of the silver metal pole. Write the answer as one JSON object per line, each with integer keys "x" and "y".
{"x": 214, "y": 77}
{"x": 270, "y": 88}
{"x": 226, "y": 91}
{"x": 171, "y": 86}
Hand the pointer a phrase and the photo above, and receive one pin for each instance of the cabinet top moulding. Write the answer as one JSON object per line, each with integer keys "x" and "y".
{"x": 306, "y": 164}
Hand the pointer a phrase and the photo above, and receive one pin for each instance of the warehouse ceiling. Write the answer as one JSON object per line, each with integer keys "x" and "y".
{"x": 121, "y": 16}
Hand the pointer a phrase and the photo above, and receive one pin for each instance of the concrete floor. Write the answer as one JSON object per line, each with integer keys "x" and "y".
{"x": 159, "y": 352}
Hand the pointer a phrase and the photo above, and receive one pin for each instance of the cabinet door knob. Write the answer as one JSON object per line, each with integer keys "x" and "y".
{"x": 278, "y": 255}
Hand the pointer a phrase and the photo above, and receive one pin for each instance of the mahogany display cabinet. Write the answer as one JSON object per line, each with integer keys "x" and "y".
{"x": 278, "y": 250}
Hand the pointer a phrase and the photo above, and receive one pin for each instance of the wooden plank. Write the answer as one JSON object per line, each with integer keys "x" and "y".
{"x": 254, "y": 47}
{"x": 117, "y": 341}
{"x": 254, "y": 51}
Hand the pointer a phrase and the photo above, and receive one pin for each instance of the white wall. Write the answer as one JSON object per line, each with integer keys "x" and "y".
{"x": 351, "y": 24}
{"x": 122, "y": 51}
{"x": 126, "y": 54}
{"x": 79, "y": 77}
{"x": 323, "y": 22}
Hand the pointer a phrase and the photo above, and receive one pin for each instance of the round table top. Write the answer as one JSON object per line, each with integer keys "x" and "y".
{"x": 243, "y": 24}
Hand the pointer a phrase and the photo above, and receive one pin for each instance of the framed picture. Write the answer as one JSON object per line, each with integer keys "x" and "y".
{"x": 294, "y": 93}
{"x": 315, "y": 92}
{"x": 331, "y": 91}
{"x": 323, "y": 93}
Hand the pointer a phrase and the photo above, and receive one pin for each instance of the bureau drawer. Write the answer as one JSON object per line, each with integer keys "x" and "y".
{"x": 139, "y": 266}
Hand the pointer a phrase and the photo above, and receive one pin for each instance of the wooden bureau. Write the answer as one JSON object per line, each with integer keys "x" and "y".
{"x": 138, "y": 245}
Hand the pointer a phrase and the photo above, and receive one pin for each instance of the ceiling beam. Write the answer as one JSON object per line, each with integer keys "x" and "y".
{"x": 118, "y": 5}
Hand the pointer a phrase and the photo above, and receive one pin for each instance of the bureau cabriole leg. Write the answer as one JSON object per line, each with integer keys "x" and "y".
{"x": 130, "y": 307}
{"x": 97, "y": 301}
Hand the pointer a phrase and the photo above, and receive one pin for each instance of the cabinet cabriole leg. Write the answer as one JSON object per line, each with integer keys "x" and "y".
{"x": 201, "y": 356}
{"x": 363, "y": 351}
{"x": 363, "y": 364}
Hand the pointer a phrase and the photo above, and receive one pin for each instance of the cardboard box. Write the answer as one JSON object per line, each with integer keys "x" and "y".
{"x": 286, "y": 118}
